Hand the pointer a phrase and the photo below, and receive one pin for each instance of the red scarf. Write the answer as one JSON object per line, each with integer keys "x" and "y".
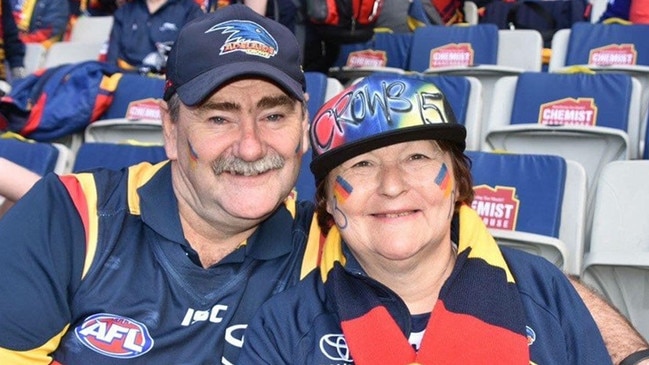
{"x": 478, "y": 318}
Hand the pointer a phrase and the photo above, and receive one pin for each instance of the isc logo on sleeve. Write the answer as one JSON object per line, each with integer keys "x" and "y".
{"x": 114, "y": 336}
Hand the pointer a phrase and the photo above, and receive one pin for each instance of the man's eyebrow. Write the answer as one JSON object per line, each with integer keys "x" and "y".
{"x": 276, "y": 100}
{"x": 219, "y": 105}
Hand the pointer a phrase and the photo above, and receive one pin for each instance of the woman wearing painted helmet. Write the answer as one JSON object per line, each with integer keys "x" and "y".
{"x": 408, "y": 272}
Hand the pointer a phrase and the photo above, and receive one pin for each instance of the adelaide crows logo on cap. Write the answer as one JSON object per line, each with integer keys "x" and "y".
{"x": 246, "y": 36}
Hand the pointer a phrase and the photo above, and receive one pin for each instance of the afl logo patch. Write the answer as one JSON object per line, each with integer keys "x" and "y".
{"x": 114, "y": 336}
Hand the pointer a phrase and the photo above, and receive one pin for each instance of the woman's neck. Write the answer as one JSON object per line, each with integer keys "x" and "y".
{"x": 417, "y": 283}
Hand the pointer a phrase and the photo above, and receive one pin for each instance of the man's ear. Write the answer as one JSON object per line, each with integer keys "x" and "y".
{"x": 168, "y": 130}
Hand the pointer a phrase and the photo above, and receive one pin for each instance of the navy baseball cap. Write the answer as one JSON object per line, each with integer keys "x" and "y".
{"x": 378, "y": 111}
{"x": 232, "y": 42}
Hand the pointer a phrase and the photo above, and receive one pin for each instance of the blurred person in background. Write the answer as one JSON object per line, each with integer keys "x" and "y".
{"x": 41, "y": 21}
{"x": 144, "y": 31}
{"x": 12, "y": 49}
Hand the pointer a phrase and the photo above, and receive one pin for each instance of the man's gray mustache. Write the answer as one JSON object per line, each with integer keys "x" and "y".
{"x": 235, "y": 165}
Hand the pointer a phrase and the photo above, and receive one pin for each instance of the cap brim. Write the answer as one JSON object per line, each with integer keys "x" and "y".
{"x": 321, "y": 165}
{"x": 200, "y": 87}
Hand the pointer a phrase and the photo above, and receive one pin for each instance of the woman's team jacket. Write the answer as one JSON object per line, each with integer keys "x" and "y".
{"x": 301, "y": 325}
{"x": 112, "y": 283}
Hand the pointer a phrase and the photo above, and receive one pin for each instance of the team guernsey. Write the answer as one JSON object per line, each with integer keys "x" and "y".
{"x": 117, "y": 283}
{"x": 334, "y": 316}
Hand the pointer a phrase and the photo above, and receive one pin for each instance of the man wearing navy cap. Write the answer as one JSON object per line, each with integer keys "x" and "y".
{"x": 165, "y": 264}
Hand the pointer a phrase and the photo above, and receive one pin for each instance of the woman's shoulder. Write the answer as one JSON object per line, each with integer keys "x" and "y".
{"x": 540, "y": 280}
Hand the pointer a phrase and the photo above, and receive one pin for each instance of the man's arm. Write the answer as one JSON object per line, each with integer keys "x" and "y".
{"x": 620, "y": 337}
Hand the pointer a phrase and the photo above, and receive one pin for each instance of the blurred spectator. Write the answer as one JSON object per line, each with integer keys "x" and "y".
{"x": 639, "y": 12}
{"x": 283, "y": 11}
{"x": 616, "y": 9}
{"x": 144, "y": 30}
{"x": 394, "y": 16}
{"x": 12, "y": 49}
{"x": 635, "y": 11}
{"x": 41, "y": 21}
{"x": 94, "y": 7}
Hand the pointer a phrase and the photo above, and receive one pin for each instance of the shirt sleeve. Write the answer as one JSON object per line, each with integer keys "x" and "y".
{"x": 115, "y": 36}
{"x": 42, "y": 253}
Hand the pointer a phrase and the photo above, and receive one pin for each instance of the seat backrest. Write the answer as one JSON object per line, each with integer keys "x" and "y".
{"x": 606, "y": 48}
{"x": 622, "y": 208}
{"x": 115, "y": 156}
{"x": 91, "y": 29}
{"x": 573, "y": 99}
{"x": 645, "y": 142}
{"x": 519, "y": 192}
{"x": 61, "y": 53}
{"x": 510, "y": 44}
{"x": 132, "y": 87}
{"x": 464, "y": 94}
{"x": 437, "y": 46}
{"x": 34, "y": 56}
{"x": 383, "y": 50}
{"x": 608, "y": 44}
{"x": 600, "y": 45}
{"x": 553, "y": 99}
{"x": 617, "y": 263}
{"x": 316, "y": 87}
{"x": 543, "y": 195}
{"x": 39, "y": 157}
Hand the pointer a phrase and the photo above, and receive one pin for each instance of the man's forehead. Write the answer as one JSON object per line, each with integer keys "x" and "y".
{"x": 256, "y": 86}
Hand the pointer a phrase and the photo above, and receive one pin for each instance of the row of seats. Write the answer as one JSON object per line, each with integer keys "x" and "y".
{"x": 88, "y": 39}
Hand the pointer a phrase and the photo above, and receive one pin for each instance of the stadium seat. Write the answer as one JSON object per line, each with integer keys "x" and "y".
{"x": 91, "y": 29}
{"x": 605, "y": 48}
{"x": 591, "y": 119}
{"x": 536, "y": 203}
{"x": 645, "y": 141}
{"x": 61, "y": 53}
{"x": 34, "y": 57}
{"x": 320, "y": 88}
{"x": 115, "y": 156}
{"x": 480, "y": 51}
{"x": 465, "y": 95}
{"x": 133, "y": 114}
{"x": 386, "y": 52}
{"x": 617, "y": 264}
{"x": 39, "y": 157}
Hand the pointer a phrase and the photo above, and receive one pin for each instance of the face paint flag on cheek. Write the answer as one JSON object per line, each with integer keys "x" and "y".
{"x": 443, "y": 180}
{"x": 342, "y": 189}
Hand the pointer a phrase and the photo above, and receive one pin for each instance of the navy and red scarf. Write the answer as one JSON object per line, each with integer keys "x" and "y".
{"x": 478, "y": 318}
